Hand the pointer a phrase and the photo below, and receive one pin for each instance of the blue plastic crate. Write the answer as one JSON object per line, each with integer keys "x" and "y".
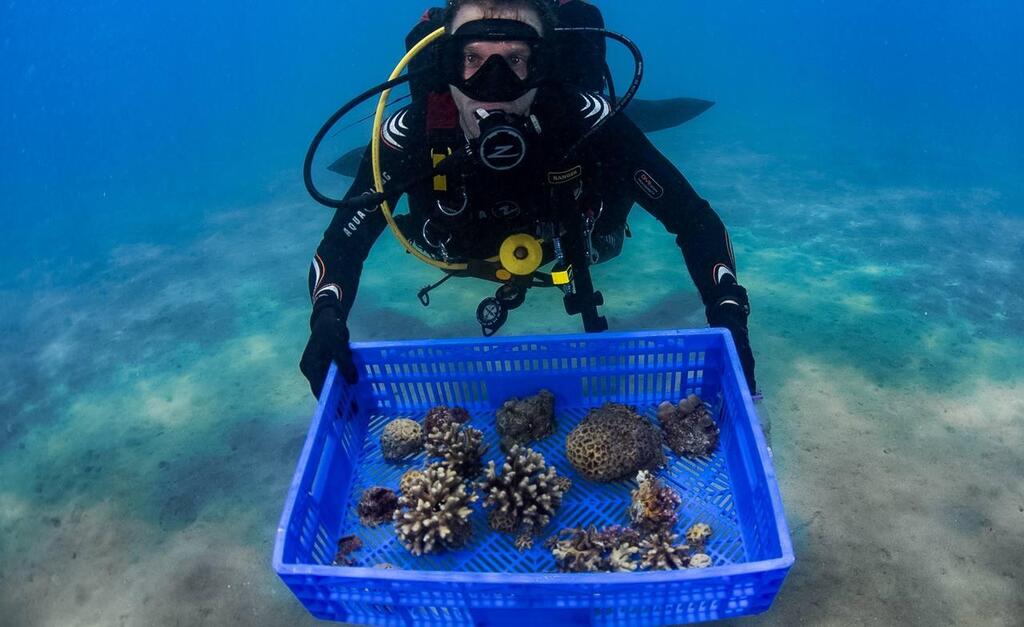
{"x": 489, "y": 582}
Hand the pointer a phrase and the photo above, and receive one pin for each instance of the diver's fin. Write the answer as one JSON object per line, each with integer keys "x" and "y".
{"x": 649, "y": 115}
{"x": 657, "y": 115}
{"x": 348, "y": 163}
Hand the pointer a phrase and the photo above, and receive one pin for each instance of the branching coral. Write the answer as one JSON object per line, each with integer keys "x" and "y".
{"x": 613, "y": 442}
{"x": 614, "y": 549}
{"x": 524, "y": 495}
{"x": 660, "y": 552}
{"x": 653, "y": 505}
{"x": 434, "y": 510}
{"x": 526, "y": 420}
{"x": 461, "y": 447}
{"x": 377, "y": 506}
{"x": 401, "y": 438}
{"x": 442, "y": 415}
{"x": 688, "y": 427}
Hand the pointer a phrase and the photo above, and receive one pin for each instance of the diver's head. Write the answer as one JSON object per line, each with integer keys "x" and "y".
{"x": 495, "y": 55}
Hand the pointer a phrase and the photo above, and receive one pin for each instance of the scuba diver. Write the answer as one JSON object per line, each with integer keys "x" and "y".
{"x": 512, "y": 159}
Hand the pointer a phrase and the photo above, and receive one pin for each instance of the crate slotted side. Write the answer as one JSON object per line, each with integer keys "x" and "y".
{"x": 733, "y": 490}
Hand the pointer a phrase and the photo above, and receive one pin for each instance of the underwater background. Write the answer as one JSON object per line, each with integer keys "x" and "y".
{"x": 155, "y": 238}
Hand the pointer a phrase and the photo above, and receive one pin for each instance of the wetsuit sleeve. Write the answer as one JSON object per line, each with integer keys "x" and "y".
{"x": 660, "y": 188}
{"x": 338, "y": 263}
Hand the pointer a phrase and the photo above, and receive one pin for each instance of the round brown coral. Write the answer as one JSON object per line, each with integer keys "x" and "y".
{"x": 401, "y": 438}
{"x": 526, "y": 420}
{"x": 461, "y": 447}
{"x": 524, "y": 495}
{"x": 688, "y": 427}
{"x": 434, "y": 511}
{"x": 613, "y": 442}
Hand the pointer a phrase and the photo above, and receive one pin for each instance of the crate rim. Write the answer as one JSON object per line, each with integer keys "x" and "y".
{"x": 522, "y": 339}
{"x": 783, "y": 563}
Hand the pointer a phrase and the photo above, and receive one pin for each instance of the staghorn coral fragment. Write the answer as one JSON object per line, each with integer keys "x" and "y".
{"x": 623, "y": 558}
{"x": 433, "y": 513}
{"x": 688, "y": 427}
{"x": 461, "y": 447}
{"x": 578, "y": 550}
{"x": 654, "y": 505}
{"x": 523, "y": 495}
{"x": 524, "y": 421}
{"x": 401, "y": 438}
{"x": 377, "y": 506}
{"x": 613, "y": 442}
{"x": 346, "y": 546}
{"x": 443, "y": 415}
{"x": 660, "y": 552}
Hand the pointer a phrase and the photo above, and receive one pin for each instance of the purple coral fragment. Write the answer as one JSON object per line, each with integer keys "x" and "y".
{"x": 377, "y": 506}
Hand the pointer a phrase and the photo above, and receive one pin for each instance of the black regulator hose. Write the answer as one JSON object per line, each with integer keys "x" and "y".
{"x": 638, "y": 77}
{"x": 307, "y": 167}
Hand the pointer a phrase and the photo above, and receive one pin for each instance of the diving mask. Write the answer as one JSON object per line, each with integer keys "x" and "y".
{"x": 494, "y": 80}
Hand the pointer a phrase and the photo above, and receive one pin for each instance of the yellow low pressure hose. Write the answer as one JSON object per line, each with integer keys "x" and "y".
{"x": 378, "y": 178}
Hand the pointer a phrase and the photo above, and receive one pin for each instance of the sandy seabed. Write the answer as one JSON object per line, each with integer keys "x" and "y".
{"x": 151, "y": 410}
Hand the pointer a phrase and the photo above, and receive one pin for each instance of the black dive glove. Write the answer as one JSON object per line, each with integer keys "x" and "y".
{"x": 730, "y": 312}
{"x": 327, "y": 342}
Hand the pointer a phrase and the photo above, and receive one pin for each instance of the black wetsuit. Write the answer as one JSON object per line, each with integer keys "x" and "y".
{"x": 620, "y": 168}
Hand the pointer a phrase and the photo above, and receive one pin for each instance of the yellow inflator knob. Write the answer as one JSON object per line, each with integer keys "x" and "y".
{"x": 521, "y": 254}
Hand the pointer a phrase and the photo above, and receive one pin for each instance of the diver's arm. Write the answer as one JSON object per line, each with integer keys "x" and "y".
{"x": 660, "y": 188}
{"x": 337, "y": 266}
{"x": 338, "y": 263}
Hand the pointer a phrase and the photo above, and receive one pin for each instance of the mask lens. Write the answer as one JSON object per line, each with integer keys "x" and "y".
{"x": 515, "y": 54}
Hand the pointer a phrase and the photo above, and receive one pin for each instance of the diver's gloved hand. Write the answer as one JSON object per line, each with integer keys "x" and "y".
{"x": 730, "y": 312}
{"x": 327, "y": 342}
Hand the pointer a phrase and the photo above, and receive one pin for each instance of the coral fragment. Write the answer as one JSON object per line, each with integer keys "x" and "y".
{"x": 523, "y": 494}
{"x": 401, "y": 438}
{"x": 377, "y": 506}
{"x": 461, "y": 447}
{"x": 613, "y": 442}
{"x": 654, "y": 505}
{"x": 434, "y": 510}
{"x": 688, "y": 427}
{"x": 524, "y": 421}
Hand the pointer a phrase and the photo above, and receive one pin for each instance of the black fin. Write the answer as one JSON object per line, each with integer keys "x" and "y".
{"x": 657, "y": 115}
{"x": 348, "y": 163}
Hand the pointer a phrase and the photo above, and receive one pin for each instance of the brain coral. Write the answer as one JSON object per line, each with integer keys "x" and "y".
{"x": 613, "y": 442}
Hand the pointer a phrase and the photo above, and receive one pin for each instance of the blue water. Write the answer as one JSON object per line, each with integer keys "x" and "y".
{"x": 154, "y": 240}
